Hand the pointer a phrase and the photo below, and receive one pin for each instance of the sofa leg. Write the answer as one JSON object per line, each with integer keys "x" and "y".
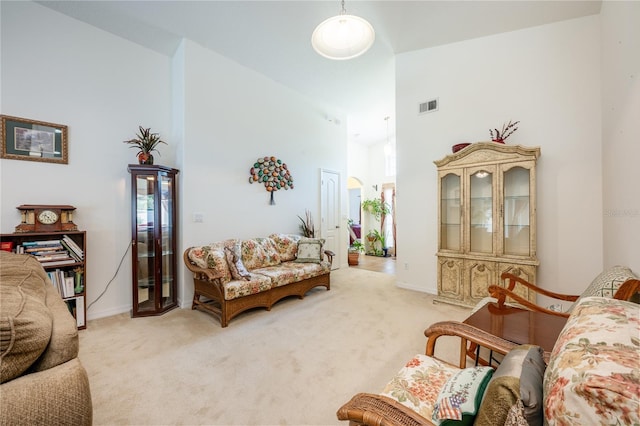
{"x": 196, "y": 299}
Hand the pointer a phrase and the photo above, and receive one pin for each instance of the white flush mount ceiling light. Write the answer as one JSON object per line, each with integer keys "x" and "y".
{"x": 343, "y": 36}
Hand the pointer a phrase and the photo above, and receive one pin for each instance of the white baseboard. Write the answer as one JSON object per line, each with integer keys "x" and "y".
{"x": 409, "y": 286}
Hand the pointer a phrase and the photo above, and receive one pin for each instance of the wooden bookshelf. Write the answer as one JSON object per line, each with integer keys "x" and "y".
{"x": 66, "y": 272}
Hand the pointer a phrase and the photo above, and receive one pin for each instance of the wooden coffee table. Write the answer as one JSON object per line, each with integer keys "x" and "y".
{"x": 515, "y": 325}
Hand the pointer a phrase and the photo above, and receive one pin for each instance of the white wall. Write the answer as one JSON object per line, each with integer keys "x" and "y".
{"x": 217, "y": 117}
{"x": 547, "y": 77}
{"x": 232, "y": 117}
{"x": 620, "y": 132}
{"x": 376, "y": 176}
{"x": 102, "y": 87}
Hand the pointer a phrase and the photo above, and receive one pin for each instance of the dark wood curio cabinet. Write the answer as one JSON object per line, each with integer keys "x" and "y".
{"x": 153, "y": 233}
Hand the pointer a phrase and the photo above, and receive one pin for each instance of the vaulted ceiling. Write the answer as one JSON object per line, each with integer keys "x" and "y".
{"x": 273, "y": 38}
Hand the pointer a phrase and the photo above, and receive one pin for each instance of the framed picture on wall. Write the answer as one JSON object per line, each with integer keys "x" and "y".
{"x": 32, "y": 140}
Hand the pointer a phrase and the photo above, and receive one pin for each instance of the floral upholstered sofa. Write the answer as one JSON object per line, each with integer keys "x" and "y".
{"x": 232, "y": 276}
{"x": 592, "y": 378}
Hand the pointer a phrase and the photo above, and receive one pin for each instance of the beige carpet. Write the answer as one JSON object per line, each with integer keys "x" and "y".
{"x": 295, "y": 365}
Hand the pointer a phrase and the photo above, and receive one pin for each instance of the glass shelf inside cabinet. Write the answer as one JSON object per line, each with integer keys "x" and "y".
{"x": 481, "y": 212}
{"x": 517, "y": 211}
{"x": 450, "y": 212}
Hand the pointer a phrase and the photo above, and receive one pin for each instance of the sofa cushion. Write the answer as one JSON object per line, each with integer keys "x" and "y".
{"x": 593, "y": 369}
{"x": 287, "y": 245}
{"x": 310, "y": 250}
{"x": 418, "y": 384}
{"x": 290, "y": 272}
{"x": 212, "y": 257}
{"x": 607, "y": 283}
{"x": 515, "y": 390}
{"x": 239, "y": 288}
{"x": 259, "y": 253}
{"x": 25, "y": 320}
{"x": 234, "y": 262}
{"x": 460, "y": 397}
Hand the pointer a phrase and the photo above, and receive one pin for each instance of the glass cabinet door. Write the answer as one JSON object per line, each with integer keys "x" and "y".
{"x": 517, "y": 212}
{"x": 450, "y": 227}
{"x": 145, "y": 222}
{"x": 481, "y": 211}
{"x": 167, "y": 240}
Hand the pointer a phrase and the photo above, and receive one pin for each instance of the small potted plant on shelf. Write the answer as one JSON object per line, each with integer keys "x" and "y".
{"x": 146, "y": 142}
{"x": 355, "y": 249}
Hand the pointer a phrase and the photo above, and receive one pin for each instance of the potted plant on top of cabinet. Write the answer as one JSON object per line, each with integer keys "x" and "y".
{"x": 146, "y": 142}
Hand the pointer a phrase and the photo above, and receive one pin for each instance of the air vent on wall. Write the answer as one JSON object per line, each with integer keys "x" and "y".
{"x": 428, "y": 106}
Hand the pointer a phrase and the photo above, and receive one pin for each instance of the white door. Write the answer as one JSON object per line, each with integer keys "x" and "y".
{"x": 330, "y": 213}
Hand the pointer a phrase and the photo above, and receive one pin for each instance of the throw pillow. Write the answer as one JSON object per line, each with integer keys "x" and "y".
{"x": 460, "y": 398}
{"x": 212, "y": 257}
{"x": 310, "y": 250}
{"x": 287, "y": 245}
{"x": 515, "y": 389}
{"x": 238, "y": 271}
{"x": 259, "y": 253}
{"x": 606, "y": 283}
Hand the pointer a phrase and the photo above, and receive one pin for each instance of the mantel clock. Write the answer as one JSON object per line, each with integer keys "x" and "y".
{"x": 46, "y": 218}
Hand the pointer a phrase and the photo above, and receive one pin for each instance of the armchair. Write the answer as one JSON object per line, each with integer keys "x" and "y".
{"x": 589, "y": 378}
{"x": 368, "y": 409}
{"x": 617, "y": 282}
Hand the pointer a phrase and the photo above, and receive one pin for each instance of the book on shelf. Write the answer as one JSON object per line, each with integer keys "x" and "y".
{"x": 42, "y": 249}
{"x": 65, "y": 282}
{"x": 55, "y": 277}
{"x": 40, "y": 243}
{"x": 73, "y": 246}
{"x": 68, "y": 287}
{"x": 76, "y": 307}
{"x": 71, "y": 251}
{"x": 52, "y": 256}
{"x": 58, "y": 262}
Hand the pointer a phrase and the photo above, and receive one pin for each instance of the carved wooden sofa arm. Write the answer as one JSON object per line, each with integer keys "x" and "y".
{"x": 329, "y": 255}
{"x": 378, "y": 410}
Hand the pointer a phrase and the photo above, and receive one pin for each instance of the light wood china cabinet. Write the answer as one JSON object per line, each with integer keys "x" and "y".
{"x": 487, "y": 220}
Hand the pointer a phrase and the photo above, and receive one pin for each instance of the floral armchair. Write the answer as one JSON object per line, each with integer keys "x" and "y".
{"x": 591, "y": 378}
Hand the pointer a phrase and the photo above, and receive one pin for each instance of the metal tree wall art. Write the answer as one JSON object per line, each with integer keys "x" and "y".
{"x": 273, "y": 173}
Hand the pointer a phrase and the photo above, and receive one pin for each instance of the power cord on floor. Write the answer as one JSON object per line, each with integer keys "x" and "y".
{"x": 113, "y": 278}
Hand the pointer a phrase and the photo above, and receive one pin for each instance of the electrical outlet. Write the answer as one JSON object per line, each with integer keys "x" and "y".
{"x": 406, "y": 266}
{"x": 198, "y": 217}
